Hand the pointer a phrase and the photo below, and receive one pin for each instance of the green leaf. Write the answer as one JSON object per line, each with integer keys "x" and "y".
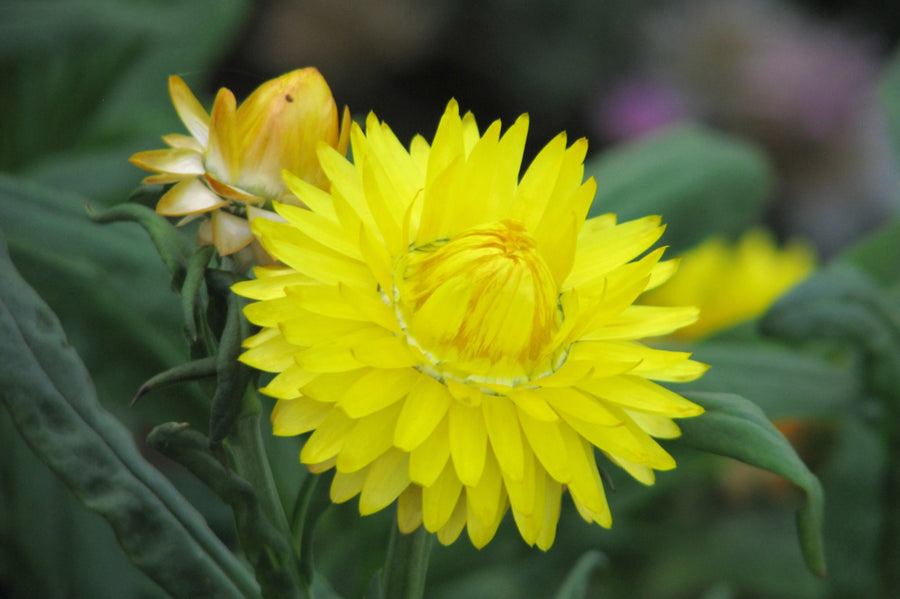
{"x": 191, "y": 305}
{"x": 878, "y": 254}
{"x": 578, "y": 580}
{"x": 232, "y": 376}
{"x": 173, "y": 248}
{"x": 700, "y": 181}
{"x": 51, "y": 399}
{"x": 268, "y": 551}
{"x": 50, "y": 546}
{"x": 784, "y": 382}
{"x": 102, "y": 91}
{"x": 844, "y": 305}
{"x": 735, "y": 427}
{"x": 91, "y": 274}
{"x": 183, "y": 373}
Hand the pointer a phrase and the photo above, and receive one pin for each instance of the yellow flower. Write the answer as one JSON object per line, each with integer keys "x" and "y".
{"x": 733, "y": 283}
{"x": 230, "y": 166}
{"x": 461, "y": 341}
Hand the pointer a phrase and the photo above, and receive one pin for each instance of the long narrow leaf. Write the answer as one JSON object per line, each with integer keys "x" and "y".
{"x": 735, "y": 427}
{"x": 53, "y": 404}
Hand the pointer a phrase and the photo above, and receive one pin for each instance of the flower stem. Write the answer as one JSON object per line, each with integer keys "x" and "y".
{"x": 251, "y": 463}
{"x": 406, "y": 566}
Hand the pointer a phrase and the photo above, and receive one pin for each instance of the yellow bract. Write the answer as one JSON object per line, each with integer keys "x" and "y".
{"x": 732, "y": 283}
{"x": 482, "y": 302}
{"x": 459, "y": 339}
{"x": 231, "y": 165}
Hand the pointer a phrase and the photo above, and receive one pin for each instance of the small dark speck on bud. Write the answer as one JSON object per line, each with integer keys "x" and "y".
{"x": 289, "y": 97}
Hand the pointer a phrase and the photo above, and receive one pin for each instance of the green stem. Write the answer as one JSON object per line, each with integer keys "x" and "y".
{"x": 251, "y": 463}
{"x": 889, "y": 552}
{"x": 406, "y": 566}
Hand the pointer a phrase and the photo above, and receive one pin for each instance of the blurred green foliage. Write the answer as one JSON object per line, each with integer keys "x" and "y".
{"x": 84, "y": 85}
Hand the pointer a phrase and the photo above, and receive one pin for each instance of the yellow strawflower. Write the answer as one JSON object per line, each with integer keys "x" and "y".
{"x": 732, "y": 282}
{"x": 230, "y": 165}
{"x": 460, "y": 340}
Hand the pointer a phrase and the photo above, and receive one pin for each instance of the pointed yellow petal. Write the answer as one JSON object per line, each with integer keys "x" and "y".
{"x": 310, "y": 257}
{"x": 502, "y": 424}
{"x": 626, "y": 441}
{"x": 638, "y": 322}
{"x": 639, "y": 472}
{"x": 387, "y": 478}
{"x": 222, "y": 157}
{"x": 344, "y": 139}
{"x": 537, "y": 183}
{"x": 347, "y": 485}
{"x": 546, "y": 440}
{"x": 455, "y": 524}
{"x": 531, "y": 522}
{"x": 409, "y": 509}
{"x": 300, "y": 327}
{"x": 165, "y": 179}
{"x": 331, "y": 387}
{"x": 585, "y": 484}
{"x": 386, "y": 352}
{"x": 552, "y": 503}
{"x": 271, "y": 287}
{"x": 336, "y": 355}
{"x": 440, "y": 499}
{"x": 230, "y": 233}
{"x": 268, "y": 351}
{"x": 481, "y": 532}
{"x": 425, "y": 406}
{"x": 297, "y": 416}
{"x": 328, "y": 438}
{"x": 601, "y": 251}
{"x": 176, "y": 161}
{"x": 190, "y": 196}
{"x": 288, "y": 383}
{"x": 326, "y": 231}
{"x": 655, "y": 425}
{"x": 429, "y": 459}
{"x": 317, "y": 200}
{"x": 468, "y": 442}
{"x": 370, "y": 438}
{"x": 231, "y": 192}
{"x": 189, "y": 109}
{"x": 533, "y": 403}
{"x": 640, "y": 394}
{"x": 376, "y": 390}
{"x": 487, "y": 498}
{"x": 177, "y": 140}
{"x": 573, "y": 401}
{"x": 521, "y": 492}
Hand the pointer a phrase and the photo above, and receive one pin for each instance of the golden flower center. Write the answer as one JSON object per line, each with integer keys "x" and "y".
{"x": 482, "y": 305}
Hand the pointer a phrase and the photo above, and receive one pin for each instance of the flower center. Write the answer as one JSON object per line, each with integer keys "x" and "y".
{"x": 482, "y": 305}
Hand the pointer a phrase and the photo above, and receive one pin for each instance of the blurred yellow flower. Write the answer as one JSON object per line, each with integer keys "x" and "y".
{"x": 732, "y": 283}
{"x": 460, "y": 340}
{"x": 230, "y": 165}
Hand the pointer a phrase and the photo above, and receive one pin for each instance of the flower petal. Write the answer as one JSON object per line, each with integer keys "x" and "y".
{"x": 424, "y": 408}
{"x": 175, "y": 161}
{"x": 230, "y": 233}
{"x": 190, "y": 111}
{"x": 189, "y": 197}
{"x": 387, "y": 478}
{"x": 468, "y": 442}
